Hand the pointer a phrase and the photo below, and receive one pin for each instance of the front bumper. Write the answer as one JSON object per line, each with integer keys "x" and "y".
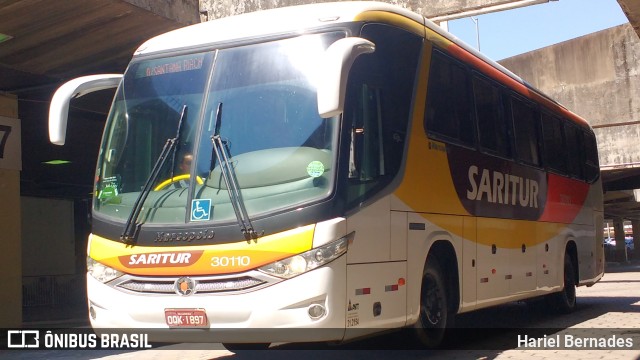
{"x": 275, "y": 313}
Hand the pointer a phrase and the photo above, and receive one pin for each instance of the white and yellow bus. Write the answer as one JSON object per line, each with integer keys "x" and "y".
{"x": 350, "y": 168}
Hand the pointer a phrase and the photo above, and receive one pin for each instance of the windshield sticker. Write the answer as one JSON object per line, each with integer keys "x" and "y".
{"x": 109, "y": 188}
{"x": 315, "y": 169}
{"x": 200, "y": 209}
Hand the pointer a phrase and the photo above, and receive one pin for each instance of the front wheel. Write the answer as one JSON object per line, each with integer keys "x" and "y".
{"x": 565, "y": 300}
{"x": 432, "y": 323}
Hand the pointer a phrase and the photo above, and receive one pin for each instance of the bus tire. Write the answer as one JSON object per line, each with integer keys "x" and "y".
{"x": 565, "y": 300}
{"x": 432, "y": 322}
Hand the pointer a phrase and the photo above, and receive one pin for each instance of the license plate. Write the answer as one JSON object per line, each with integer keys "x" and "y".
{"x": 189, "y": 318}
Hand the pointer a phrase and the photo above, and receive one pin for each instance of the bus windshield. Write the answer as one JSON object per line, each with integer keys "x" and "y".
{"x": 260, "y": 99}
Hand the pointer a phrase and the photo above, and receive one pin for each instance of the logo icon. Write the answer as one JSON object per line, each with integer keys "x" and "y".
{"x": 20, "y": 339}
{"x": 200, "y": 209}
{"x": 184, "y": 286}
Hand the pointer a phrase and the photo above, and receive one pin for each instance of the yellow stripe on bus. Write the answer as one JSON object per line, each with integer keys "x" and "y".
{"x": 201, "y": 260}
{"x": 392, "y": 19}
{"x": 503, "y": 233}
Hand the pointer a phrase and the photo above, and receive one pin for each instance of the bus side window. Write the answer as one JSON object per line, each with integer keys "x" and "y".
{"x": 554, "y": 140}
{"x": 592, "y": 167}
{"x": 526, "y": 132}
{"x": 575, "y": 149}
{"x": 448, "y": 112}
{"x": 366, "y": 161}
{"x": 493, "y": 129}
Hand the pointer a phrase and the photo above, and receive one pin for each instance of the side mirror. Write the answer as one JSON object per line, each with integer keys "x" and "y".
{"x": 336, "y": 63}
{"x": 59, "y": 108}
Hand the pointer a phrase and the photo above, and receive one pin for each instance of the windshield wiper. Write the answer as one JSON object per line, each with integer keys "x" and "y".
{"x": 132, "y": 227}
{"x": 228, "y": 174}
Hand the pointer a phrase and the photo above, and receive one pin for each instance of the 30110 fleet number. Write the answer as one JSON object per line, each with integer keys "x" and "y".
{"x": 225, "y": 261}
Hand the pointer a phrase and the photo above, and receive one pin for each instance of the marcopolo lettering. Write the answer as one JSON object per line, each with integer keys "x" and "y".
{"x": 188, "y": 236}
{"x": 501, "y": 188}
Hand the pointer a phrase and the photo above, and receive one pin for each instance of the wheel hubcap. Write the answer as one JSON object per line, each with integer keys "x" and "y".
{"x": 432, "y": 304}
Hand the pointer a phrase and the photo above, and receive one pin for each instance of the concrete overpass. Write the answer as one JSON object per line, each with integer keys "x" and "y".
{"x": 631, "y": 8}
{"x": 43, "y": 43}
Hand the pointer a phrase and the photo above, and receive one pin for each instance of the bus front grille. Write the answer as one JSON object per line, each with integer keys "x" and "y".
{"x": 203, "y": 285}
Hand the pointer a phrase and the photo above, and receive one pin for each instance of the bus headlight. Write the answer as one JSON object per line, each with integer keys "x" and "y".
{"x": 301, "y": 263}
{"x": 102, "y": 272}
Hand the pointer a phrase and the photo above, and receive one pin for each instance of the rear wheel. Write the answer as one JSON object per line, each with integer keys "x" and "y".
{"x": 565, "y": 300}
{"x": 432, "y": 322}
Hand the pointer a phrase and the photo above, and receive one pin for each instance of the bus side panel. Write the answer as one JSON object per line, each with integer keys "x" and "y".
{"x": 599, "y": 226}
{"x": 550, "y": 256}
{"x": 371, "y": 228}
{"x": 508, "y": 252}
{"x": 493, "y": 261}
{"x": 376, "y": 274}
{"x": 376, "y": 297}
{"x": 468, "y": 281}
{"x": 587, "y": 267}
{"x": 399, "y": 229}
{"x": 590, "y": 249}
{"x": 522, "y": 262}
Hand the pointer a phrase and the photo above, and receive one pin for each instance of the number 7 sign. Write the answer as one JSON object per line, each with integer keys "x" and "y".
{"x": 10, "y": 144}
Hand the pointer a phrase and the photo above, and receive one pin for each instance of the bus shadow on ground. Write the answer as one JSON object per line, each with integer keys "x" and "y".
{"x": 484, "y": 333}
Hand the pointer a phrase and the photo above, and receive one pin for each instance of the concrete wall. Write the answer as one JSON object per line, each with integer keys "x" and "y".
{"x": 430, "y": 8}
{"x": 598, "y": 77}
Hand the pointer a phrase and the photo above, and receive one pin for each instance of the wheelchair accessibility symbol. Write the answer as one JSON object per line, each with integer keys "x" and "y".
{"x": 200, "y": 209}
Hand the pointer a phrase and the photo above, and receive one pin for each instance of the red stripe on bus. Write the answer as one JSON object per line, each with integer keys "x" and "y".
{"x": 565, "y": 199}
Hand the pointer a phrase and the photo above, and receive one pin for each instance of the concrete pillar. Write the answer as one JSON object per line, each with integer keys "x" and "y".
{"x": 635, "y": 224}
{"x": 10, "y": 219}
{"x": 621, "y": 249}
